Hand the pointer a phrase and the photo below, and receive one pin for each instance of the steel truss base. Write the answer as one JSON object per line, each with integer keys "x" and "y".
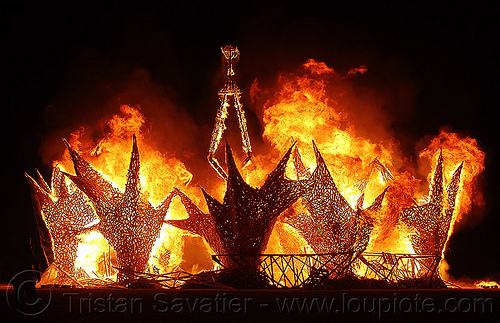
{"x": 298, "y": 270}
{"x": 394, "y": 267}
{"x": 293, "y": 270}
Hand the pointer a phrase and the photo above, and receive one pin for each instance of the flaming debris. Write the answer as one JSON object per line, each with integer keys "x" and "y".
{"x": 487, "y": 284}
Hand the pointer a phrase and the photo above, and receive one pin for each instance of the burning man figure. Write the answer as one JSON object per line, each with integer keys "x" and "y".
{"x": 231, "y": 53}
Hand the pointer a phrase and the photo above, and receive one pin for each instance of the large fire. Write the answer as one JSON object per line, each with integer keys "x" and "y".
{"x": 312, "y": 104}
{"x": 159, "y": 173}
{"x": 305, "y": 110}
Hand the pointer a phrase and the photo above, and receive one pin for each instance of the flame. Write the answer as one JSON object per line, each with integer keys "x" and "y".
{"x": 455, "y": 150}
{"x": 305, "y": 111}
{"x": 94, "y": 256}
{"x": 314, "y": 104}
{"x": 487, "y": 284}
{"x": 160, "y": 172}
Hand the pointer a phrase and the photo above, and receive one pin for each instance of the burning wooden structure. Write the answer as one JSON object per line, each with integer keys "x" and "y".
{"x": 238, "y": 229}
{"x": 331, "y": 225}
{"x": 242, "y": 224}
{"x": 429, "y": 225}
{"x": 66, "y": 213}
{"x": 430, "y": 221}
{"x": 231, "y": 53}
{"x": 337, "y": 229}
{"x": 127, "y": 220}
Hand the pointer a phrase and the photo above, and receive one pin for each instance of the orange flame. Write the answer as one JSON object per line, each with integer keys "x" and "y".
{"x": 305, "y": 111}
{"x": 455, "y": 150}
{"x": 314, "y": 105}
{"x": 159, "y": 174}
{"x": 311, "y": 105}
{"x": 487, "y": 284}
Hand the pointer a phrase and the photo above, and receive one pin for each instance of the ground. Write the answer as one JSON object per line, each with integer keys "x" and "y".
{"x": 131, "y": 305}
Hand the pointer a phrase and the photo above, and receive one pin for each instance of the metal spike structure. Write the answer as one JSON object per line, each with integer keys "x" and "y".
{"x": 242, "y": 224}
{"x": 332, "y": 225}
{"x": 430, "y": 225}
{"x": 431, "y": 222}
{"x": 231, "y": 53}
{"x": 198, "y": 223}
{"x": 67, "y": 213}
{"x": 127, "y": 219}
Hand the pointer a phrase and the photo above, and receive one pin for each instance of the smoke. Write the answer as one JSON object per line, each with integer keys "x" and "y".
{"x": 374, "y": 102}
{"x": 100, "y": 106}
{"x": 96, "y": 87}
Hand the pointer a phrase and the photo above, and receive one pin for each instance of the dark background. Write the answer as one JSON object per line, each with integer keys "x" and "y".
{"x": 446, "y": 52}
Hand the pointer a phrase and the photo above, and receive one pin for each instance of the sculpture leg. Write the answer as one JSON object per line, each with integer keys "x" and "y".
{"x": 245, "y": 139}
{"x": 219, "y": 128}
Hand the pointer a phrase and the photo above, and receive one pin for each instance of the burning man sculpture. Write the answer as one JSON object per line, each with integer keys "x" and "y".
{"x": 243, "y": 223}
{"x": 231, "y": 53}
{"x": 67, "y": 213}
{"x": 429, "y": 222}
{"x": 127, "y": 219}
{"x": 332, "y": 225}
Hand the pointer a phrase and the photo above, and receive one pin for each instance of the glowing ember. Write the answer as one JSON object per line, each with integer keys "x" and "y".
{"x": 487, "y": 284}
{"x": 67, "y": 213}
{"x": 128, "y": 221}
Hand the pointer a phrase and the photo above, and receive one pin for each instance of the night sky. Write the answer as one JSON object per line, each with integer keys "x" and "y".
{"x": 444, "y": 55}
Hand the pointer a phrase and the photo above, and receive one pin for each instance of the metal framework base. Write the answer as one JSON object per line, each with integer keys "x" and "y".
{"x": 287, "y": 270}
{"x": 394, "y": 267}
{"x": 293, "y": 270}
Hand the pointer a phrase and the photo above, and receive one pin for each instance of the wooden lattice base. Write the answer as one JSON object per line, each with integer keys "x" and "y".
{"x": 293, "y": 270}
{"x": 393, "y": 267}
